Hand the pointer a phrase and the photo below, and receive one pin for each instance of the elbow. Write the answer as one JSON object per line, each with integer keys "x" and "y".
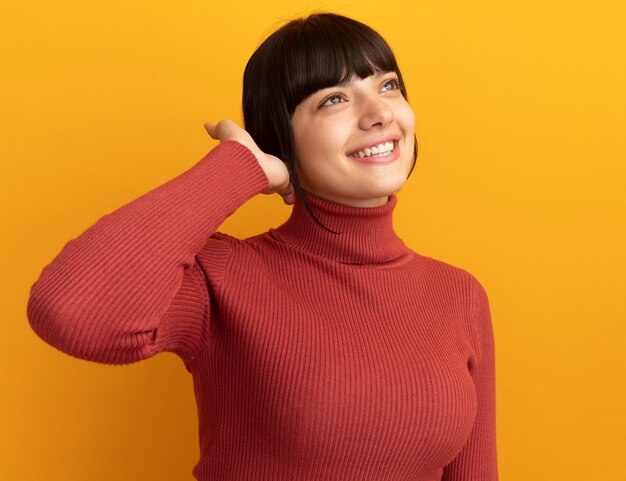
{"x": 84, "y": 335}
{"x": 47, "y": 320}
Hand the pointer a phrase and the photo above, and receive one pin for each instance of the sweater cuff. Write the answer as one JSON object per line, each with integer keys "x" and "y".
{"x": 237, "y": 162}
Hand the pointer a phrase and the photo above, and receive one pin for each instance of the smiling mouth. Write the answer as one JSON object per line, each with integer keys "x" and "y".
{"x": 382, "y": 149}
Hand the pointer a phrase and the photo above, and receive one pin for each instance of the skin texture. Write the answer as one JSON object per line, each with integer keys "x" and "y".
{"x": 334, "y": 122}
{"x": 330, "y": 124}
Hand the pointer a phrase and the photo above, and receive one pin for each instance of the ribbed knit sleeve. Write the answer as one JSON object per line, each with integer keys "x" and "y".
{"x": 130, "y": 286}
{"x": 477, "y": 461}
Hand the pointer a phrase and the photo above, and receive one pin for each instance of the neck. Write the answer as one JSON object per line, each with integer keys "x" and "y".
{"x": 364, "y": 235}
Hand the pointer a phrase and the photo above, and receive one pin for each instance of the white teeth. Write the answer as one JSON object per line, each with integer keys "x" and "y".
{"x": 375, "y": 149}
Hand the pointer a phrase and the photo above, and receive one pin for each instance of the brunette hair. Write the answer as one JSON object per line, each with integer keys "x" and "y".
{"x": 300, "y": 58}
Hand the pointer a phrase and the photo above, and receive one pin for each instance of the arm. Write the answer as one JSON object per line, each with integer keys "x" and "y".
{"x": 477, "y": 461}
{"x": 106, "y": 295}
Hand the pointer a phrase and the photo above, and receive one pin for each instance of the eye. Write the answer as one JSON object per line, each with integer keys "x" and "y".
{"x": 391, "y": 84}
{"x": 331, "y": 100}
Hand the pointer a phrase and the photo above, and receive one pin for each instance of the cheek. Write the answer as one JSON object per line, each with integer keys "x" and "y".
{"x": 408, "y": 119}
{"x": 320, "y": 140}
{"x": 307, "y": 153}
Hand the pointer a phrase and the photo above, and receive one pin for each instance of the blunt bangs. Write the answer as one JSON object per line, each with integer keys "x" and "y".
{"x": 325, "y": 50}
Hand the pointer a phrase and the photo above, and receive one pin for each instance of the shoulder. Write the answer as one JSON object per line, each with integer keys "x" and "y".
{"x": 222, "y": 249}
{"x": 214, "y": 256}
{"x": 225, "y": 260}
{"x": 457, "y": 284}
{"x": 217, "y": 247}
{"x": 446, "y": 271}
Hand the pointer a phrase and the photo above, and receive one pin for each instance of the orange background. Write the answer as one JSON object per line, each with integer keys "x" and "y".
{"x": 520, "y": 111}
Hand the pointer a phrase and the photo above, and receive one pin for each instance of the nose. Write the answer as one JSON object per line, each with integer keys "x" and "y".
{"x": 375, "y": 112}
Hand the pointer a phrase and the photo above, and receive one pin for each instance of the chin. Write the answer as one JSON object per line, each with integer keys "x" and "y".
{"x": 390, "y": 188}
{"x": 377, "y": 197}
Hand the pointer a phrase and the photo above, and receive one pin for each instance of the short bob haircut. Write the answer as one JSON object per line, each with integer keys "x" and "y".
{"x": 300, "y": 58}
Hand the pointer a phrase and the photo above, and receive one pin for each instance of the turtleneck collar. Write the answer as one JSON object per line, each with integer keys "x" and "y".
{"x": 365, "y": 234}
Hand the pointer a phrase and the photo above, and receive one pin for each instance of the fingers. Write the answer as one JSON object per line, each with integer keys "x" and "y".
{"x": 289, "y": 195}
{"x": 289, "y": 199}
{"x": 220, "y": 130}
{"x": 225, "y": 129}
{"x": 211, "y": 129}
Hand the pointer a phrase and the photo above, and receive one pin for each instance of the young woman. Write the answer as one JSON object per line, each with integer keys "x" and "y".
{"x": 323, "y": 349}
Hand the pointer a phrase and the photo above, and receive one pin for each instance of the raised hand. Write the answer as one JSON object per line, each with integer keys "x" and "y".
{"x": 274, "y": 168}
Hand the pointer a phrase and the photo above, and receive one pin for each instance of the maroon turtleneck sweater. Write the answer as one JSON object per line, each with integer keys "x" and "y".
{"x": 315, "y": 356}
